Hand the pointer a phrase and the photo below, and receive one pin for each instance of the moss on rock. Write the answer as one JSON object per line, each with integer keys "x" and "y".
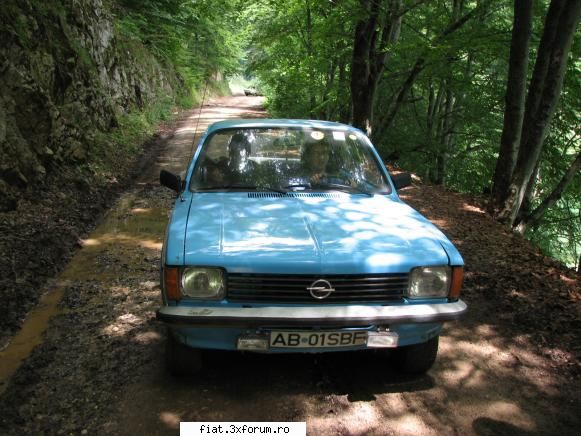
{"x": 67, "y": 74}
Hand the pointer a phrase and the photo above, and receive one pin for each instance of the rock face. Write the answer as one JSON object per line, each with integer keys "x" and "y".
{"x": 66, "y": 74}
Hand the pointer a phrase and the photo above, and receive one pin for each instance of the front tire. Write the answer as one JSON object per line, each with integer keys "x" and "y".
{"x": 417, "y": 358}
{"x": 181, "y": 360}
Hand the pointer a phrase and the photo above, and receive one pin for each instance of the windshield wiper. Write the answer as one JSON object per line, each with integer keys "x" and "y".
{"x": 242, "y": 188}
{"x": 343, "y": 188}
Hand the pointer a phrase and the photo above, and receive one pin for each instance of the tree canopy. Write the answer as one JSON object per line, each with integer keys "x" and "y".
{"x": 199, "y": 37}
{"x": 447, "y": 89}
{"x": 428, "y": 81}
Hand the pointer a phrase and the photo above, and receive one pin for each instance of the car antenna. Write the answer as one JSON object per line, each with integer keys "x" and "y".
{"x": 196, "y": 128}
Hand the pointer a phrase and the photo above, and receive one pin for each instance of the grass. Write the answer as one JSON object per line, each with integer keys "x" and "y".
{"x": 114, "y": 149}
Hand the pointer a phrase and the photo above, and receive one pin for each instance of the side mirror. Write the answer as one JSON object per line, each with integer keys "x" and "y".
{"x": 170, "y": 180}
{"x": 401, "y": 180}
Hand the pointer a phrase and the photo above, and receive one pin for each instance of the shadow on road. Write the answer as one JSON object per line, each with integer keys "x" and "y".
{"x": 100, "y": 366}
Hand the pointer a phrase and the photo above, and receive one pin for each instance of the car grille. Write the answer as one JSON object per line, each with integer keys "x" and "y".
{"x": 270, "y": 288}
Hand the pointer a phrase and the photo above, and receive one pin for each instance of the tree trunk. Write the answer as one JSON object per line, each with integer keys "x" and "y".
{"x": 326, "y": 102}
{"x": 433, "y": 115}
{"x": 529, "y": 195}
{"x": 441, "y": 138}
{"x": 309, "y": 48}
{"x": 361, "y": 68}
{"x": 546, "y": 84}
{"x": 447, "y": 139}
{"x": 373, "y": 34}
{"x": 515, "y": 98}
{"x": 420, "y": 64}
{"x": 344, "y": 110}
{"x": 552, "y": 198}
{"x": 402, "y": 94}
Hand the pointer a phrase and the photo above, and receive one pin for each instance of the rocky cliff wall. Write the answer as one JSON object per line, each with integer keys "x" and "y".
{"x": 66, "y": 74}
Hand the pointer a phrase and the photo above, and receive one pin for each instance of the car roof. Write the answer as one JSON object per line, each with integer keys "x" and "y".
{"x": 266, "y": 122}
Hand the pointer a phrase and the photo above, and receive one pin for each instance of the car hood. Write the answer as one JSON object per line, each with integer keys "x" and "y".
{"x": 319, "y": 233}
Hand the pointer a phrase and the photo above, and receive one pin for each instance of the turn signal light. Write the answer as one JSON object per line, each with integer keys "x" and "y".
{"x": 457, "y": 280}
{"x": 171, "y": 285}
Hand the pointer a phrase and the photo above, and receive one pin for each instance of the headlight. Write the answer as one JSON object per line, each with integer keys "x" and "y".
{"x": 433, "y": 281}
{"x": 203, "y": 283}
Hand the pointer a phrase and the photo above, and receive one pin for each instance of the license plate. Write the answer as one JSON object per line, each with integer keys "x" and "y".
{"x": 317, "y": 339}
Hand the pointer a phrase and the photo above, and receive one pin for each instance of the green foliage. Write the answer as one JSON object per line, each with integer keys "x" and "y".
{"x": 448, "y": 126}
{"x": 187, "y": 100}
{"x": 19, "y": 23}
{"x": 199, "y": 38}
{"x": 297, "y": 51}
{"x": 82, "y": 53}
{"x": 218, "y": 87}
{"x": 196, "y": 39}
{"x": 559, "y": 234}
{"x": 133, "y": 129}
{"x": 111, "y": 149}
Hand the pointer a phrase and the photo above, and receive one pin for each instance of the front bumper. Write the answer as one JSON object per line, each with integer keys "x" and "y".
{"x": 337, "y": 316}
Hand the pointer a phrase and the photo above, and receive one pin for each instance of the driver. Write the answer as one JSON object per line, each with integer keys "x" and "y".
{"x": 314, "y": 159}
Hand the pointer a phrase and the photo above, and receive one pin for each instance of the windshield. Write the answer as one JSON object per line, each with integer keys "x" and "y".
{"x": 288, "y": 159}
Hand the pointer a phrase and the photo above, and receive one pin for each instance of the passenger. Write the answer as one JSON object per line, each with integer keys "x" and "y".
{"x": 216, "y": 172}
{"x": 240, "y": 167}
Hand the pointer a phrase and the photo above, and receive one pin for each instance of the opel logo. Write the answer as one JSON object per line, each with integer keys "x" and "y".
{"x": 320, "y": 289}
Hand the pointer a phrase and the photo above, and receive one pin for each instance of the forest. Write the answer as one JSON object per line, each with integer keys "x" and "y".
{"x": 478, "y": 99}
{"x": 480, "y": 96}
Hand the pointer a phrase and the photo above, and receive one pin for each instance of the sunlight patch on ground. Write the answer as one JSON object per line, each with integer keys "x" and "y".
{"x": 568, "y": 280}
{"x": 471, "y": 208}
{"x": 474, "y": 364}
{"x": 123, "y": 325}
{"x": 147, "y": 338}
{"x": 360, "y": 418}
{"x": 410, "y": 424}
{"x": 149, "y": 285}
{"x": 170, "y": 419}
{"x": 509, "y": 412}
{"x": 515, "y": 293}
{"x": 186, "y": 130}
{"x": 443, "y": 224}
{"x": 397, "y": 405}
{"x": 151, "y": 245}
{"x": 90, "y": 242}
{"x": 464, "y": 374}
{"x": 486, "y": 330}
{"x": 123, "y": 238}
{"x": 209, "y": 116}
{"x": 478, "y": 348}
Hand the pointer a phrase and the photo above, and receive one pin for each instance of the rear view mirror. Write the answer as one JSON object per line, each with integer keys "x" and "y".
{"x": 170, "y": 180}
{"x": 401, "y": 180}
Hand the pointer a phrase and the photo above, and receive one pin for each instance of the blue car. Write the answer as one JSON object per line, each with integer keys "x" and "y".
{"x": 288, "y": 236}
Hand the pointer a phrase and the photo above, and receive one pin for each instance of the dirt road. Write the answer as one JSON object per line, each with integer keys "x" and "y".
{"x": 99, "y": 366}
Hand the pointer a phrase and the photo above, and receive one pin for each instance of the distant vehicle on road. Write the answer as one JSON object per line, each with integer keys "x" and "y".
{"x": 288, "y": 236}
{"x": 252, "y": 91}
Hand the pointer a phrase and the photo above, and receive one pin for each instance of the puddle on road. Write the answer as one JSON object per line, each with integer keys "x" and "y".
{"x": 116, "y": 249}
{"x": 29, "y": 336}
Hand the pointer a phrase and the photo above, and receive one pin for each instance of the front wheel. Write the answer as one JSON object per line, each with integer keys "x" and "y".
{"x": 417, "y": 358}
{"x": 181, "y": 360}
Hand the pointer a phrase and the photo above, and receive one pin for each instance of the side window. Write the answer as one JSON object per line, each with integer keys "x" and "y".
{"x": 217, "y": 148}
{"x": 211, "y": 168}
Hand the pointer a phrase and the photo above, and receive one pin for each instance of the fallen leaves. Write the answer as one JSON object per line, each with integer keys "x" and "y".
{"x": 526, "y": 291}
